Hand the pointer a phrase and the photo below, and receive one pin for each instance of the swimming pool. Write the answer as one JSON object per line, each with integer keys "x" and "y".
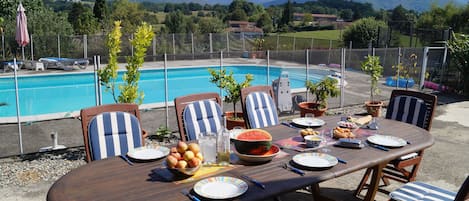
{"x": 65, "y": 93}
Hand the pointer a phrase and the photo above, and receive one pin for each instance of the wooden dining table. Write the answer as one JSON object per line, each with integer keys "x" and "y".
{"x": 115, "y": 179}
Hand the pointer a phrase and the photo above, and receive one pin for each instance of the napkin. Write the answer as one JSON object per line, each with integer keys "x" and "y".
{"x": 363, "y": 120}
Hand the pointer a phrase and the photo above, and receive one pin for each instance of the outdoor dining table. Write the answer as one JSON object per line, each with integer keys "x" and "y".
{"x": 114, "y": 179}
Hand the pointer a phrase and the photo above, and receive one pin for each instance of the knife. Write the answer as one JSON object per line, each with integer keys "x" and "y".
{"x": 254, "y": 181}
{"x": 378, "y": 147}
{"x": 288, "y": 124}
{"x": 293, "y": 169}
{"x": 127, "y": 160}
{"x": 341, "y": 160}
{"x": 192, "y": 197}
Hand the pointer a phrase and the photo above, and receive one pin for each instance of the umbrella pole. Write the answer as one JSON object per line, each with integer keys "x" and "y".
{"x": 22, "y": 52}
{"x": 18, "y": 106}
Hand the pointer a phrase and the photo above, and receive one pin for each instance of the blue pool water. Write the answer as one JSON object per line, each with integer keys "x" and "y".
{"x": 69, "y": 92}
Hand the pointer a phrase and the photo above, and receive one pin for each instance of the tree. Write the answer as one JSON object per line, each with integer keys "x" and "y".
{"x": 211, "y": 25}
{"x": 82, "y": 19}
{"x": 238, "y": 15}
{"x": 307, "y": 19}
{"x": 362, "y": 31}
{"x": 287, "y": 15}
{"x": 459, "y": 48}
{"x": 100, "y": 10}
{"x": 346, "y": 14}
{"x": 175, "y": 22}
{"x": 128, "y": 13}
{"x": 265, "y": 22}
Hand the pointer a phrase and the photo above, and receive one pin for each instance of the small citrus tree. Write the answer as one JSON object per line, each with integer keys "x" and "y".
{"x": 372, "y": 67}
{"x": 129, "y": 90}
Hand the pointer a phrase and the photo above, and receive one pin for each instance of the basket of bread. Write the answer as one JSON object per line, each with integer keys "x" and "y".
{"x": 339, "y": 132}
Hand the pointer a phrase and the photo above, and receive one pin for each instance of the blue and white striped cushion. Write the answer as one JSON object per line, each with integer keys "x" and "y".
{"x": 113, "y": 134}
{"x": 261, "y": 110}
{"x": 201, "y": 116}
{"x": 407, "y": 109}
{"x": 422, "y": 191}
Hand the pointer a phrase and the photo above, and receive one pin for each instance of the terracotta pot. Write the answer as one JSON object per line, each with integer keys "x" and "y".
{"x": 374, "y": 108}
{"x": 310, "y": 107}
{"x": 231, "y": 123}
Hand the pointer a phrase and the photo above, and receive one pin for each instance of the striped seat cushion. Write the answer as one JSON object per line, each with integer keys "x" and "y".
{"x": 202, "y": 116}
{"x": 261, "y": 110}
{"x": 113, "y": 134}
{"x": 407, "y": 109}
{"x": 421, "y": 191}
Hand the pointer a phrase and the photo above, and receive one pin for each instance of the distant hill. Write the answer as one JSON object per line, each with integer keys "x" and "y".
{"x": 418, "y": 5}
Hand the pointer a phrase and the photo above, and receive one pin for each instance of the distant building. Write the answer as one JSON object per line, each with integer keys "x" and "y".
{"x": 316, "y": 17}
{"x": 248, "y": 28}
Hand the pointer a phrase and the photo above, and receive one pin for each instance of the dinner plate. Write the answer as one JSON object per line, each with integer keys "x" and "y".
{"x": 146, "y": 153}
{"x": 274, "y": 150}
{"x": 220, "y": 187}
{"x": 387, "y": 140}
{"x": 315, "y": 160}
{"x": 307, "y": 121}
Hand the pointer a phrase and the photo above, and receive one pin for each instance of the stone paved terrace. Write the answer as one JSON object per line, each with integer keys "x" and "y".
{"x": 28, "y": 178}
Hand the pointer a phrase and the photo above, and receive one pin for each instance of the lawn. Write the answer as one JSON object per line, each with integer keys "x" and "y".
{"x": 323, "y": 34}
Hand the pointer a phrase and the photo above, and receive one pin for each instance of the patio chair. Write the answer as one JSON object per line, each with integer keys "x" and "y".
{"x": 259, "y": 107}
{"x": 423, "y": 191}
{"x": 96, "y": 117}
{"x": 196, "y": 113}
{"x": 414, "y": 108}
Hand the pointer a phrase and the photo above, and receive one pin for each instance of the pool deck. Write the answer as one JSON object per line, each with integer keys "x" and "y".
{"x": 445, "y": 163}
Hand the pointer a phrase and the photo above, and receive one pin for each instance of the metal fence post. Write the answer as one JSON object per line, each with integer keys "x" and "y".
{"x": 268, "y": 67}
{"x": 329, "y": 52}
{"x": 210, "y": 42}
{"x": 174, "y": 45}
{"x": 3, "y": 46}
{"x": 399, "y": 54}
{"x": 32, "y": 46}
{"x": 312, "y": 43}
{"x": 166, "y": 88}
{"x": 228, "y": 42}
{"x": 244, "y": 41}
{"x": 192, "y": 45}
{"x": 350, "y": 52}
{"x": 58, "y": 45}
{"x": 278, "y": 40}
{"x": 85, "y": 46}
{"x": 424, "y": 68}
{"x": 221, "y": 91}
{"x": 342, "y": 77}
{"x": 294, "y": 43}
{"x": 307, "y": 72}
{"x": 154, "y": 48}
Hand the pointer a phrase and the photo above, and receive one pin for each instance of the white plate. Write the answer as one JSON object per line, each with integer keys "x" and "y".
{"x": 306, "y": 121}
{"x": 347, "y": 124}
{"x": 144, "y": 153}
{"x": 315, "y": 160}
{"x": 387, "y": 140}
{"x": 220, "y": 187}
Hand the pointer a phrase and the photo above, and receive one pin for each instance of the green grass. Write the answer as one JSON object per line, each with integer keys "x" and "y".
{"x": 404, "y": 41}
{"x": 324, "y": 34}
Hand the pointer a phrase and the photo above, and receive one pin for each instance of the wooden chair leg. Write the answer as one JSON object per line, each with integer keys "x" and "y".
{"x": 374, "y": 183}
{"x": 362, "y": 182}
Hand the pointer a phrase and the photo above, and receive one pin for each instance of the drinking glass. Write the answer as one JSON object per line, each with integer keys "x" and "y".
{"x": 326, "y": 134}
{"x": 309, "y": 119}
{"x": 208, "y": 146}
{"x": 223, "y": 147}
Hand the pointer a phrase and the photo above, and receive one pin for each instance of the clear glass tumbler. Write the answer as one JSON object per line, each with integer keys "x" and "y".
{"x": 208, "y": 146}
{"x": 223, "y": 147}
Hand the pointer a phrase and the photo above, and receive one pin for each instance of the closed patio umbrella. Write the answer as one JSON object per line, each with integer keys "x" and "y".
{"x": 22, "y": 36}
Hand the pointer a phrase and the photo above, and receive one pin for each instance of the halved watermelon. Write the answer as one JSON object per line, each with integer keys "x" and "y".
{"x": 253, "y": 142}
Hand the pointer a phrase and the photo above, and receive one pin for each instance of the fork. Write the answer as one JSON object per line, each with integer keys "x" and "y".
{"x": 188, "y": 194}
{"x": 126, "y": 159}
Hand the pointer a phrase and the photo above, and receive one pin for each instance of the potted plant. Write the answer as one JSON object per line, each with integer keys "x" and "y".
{"x": 372, "y": 67}
{"x": 258, "y": 48}
{"x": 321, "y": 91}
{"x": 232, "y": 89}
{"x": 163, "y": 134}
{"x": 404, "y": 74}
